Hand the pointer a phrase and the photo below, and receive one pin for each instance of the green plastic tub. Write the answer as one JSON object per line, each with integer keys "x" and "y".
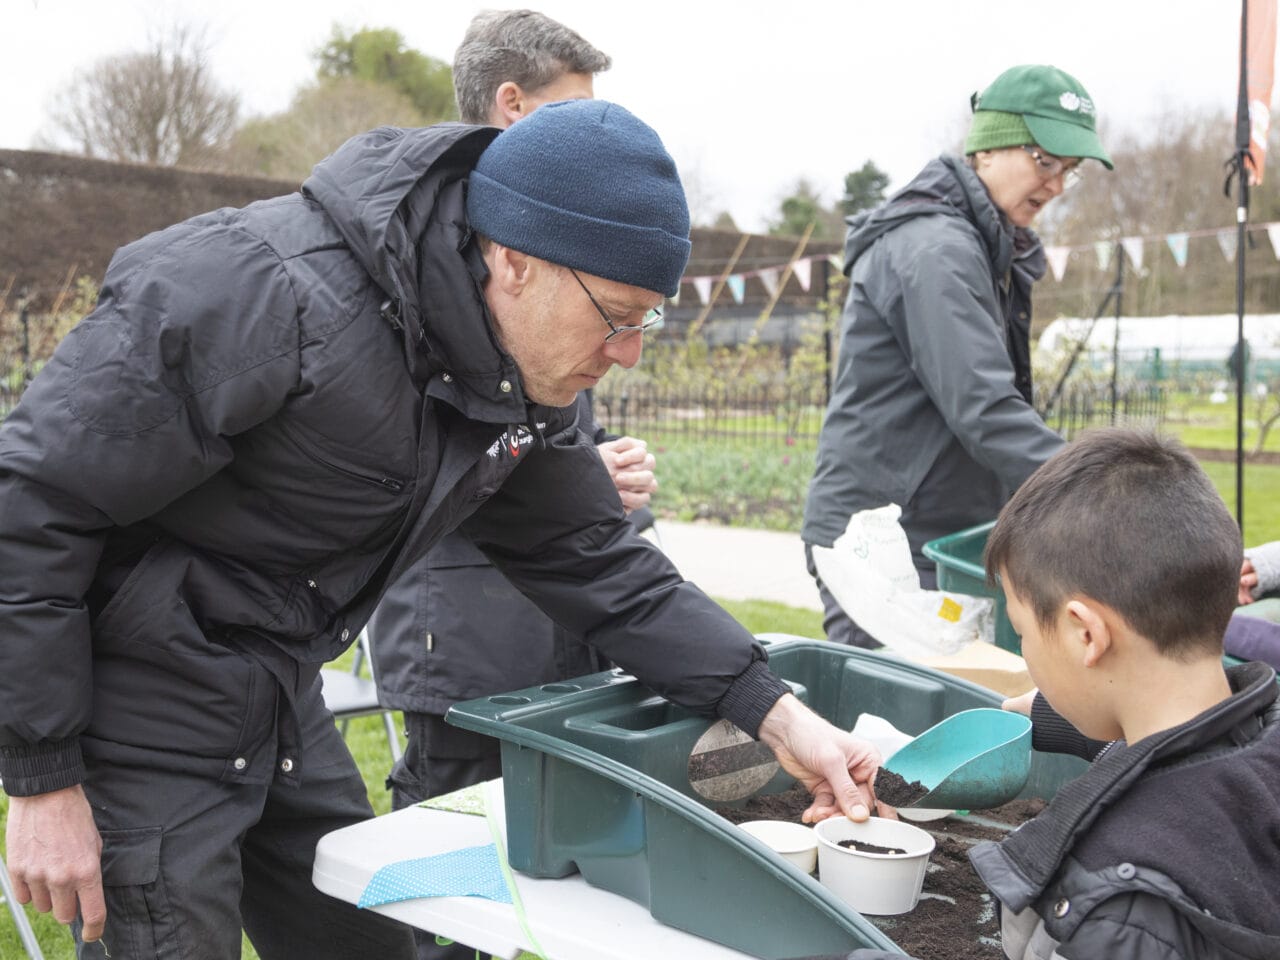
{"x": 960, "y": 570}
{"x": 596, "y": 773}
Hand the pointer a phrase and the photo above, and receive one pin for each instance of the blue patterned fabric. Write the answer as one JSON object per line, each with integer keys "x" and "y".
{"x": 470, "y": 872}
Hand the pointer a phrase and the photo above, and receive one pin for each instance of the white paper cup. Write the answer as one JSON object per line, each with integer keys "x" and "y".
{"x": 880, "y": 884}
{"x": 794, "y": 841}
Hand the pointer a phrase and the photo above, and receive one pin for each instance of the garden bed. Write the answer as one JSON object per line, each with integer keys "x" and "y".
{"x": 956, "y": 918}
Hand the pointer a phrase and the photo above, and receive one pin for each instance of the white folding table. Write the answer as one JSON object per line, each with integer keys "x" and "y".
{"x": 570, "y": 919}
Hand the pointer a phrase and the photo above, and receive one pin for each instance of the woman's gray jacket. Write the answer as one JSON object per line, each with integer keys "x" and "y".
{"x": 931, "y": 408}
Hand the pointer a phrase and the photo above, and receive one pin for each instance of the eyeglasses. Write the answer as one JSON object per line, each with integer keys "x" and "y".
{"x": 1049, "y": 166}
{"x": 651, "y": 318}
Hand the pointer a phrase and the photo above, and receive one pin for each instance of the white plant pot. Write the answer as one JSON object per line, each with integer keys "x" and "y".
{"x": 880, "y": 884}
{"x": 794, "y": 841}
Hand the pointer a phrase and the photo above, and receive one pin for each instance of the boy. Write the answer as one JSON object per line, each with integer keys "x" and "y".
{"x": 1120, "y": 565}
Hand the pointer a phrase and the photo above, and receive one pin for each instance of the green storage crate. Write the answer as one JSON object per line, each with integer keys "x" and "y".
{"x": 596, "y": 779}
{"x": 960, "y": 570}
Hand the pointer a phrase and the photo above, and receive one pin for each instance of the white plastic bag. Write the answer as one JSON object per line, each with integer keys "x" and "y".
{"x": 870, "y": 573}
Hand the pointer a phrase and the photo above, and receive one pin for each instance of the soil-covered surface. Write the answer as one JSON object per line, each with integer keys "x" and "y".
{"x": 956, "y": 916}
{"x": 895, "y": 791}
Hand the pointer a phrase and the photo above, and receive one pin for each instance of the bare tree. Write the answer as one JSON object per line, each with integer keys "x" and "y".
{"x": 160, "y": 106}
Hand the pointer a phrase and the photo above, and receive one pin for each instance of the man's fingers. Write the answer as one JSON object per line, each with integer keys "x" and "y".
{"x": 93, "y": 911}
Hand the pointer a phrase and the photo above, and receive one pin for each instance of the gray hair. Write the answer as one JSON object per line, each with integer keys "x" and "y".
{"x": 521, "y": 46}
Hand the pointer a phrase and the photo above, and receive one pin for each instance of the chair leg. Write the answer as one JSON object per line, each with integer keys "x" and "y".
{"x": 25, "y": 933}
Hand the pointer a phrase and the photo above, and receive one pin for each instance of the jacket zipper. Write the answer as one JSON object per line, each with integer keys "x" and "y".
{"x": 388, "y": 483}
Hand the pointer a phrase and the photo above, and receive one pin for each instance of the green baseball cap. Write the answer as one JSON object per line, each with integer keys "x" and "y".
{"x": 1057, "y": 110}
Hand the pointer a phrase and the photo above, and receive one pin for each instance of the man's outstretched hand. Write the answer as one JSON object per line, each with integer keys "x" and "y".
{"x": 835, "y": 767}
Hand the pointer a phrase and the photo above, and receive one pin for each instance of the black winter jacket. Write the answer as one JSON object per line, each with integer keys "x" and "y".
{"x": 454, "y": 628}
{"x": 270, "y": 414}
{"x": 1165, "y": 849}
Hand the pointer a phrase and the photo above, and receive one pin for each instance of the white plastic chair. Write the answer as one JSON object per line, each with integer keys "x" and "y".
{"x": 350, "y": 695}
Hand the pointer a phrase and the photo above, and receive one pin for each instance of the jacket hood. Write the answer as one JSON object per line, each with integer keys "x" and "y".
{"x": 380, "y": 189}
{"x": 397, "y": 196}
{"x": 947, "y": 186}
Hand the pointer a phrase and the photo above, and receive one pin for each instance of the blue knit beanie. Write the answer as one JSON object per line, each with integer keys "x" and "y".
{"x": 585, "y": 184}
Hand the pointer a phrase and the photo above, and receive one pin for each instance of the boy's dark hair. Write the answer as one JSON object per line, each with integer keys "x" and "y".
{"x": 1128, "y": 519}
{"x": 521, "y": 46}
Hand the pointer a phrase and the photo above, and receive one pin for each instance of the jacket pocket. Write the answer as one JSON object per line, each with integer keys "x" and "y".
{"x": 140, "y": 922}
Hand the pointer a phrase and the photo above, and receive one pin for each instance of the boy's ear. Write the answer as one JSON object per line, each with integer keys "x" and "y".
{"x": 1088, "y": 629}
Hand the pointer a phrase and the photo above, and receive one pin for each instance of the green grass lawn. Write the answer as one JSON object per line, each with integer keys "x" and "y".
{"x": 368, "y": 743}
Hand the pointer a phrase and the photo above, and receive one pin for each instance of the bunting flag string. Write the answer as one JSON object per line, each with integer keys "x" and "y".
{"x": 1227, "y": 242}
{"x": 1057, "y": 256}
{"x": 1273, "y": 234}
{"x": 1102, "y": 250}
{"x": 1133, "y": 246}
{"x": 802, "y": 271}
{"x": 737, "y": 286}
{"x": 770, "y": 280}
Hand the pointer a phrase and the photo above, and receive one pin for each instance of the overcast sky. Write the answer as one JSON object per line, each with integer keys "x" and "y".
{"x": 749, "y": 95}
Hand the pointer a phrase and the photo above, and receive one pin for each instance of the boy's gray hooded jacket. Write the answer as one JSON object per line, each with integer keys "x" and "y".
{"x": 932, "y": 402}
{"x": 270, "y": 414}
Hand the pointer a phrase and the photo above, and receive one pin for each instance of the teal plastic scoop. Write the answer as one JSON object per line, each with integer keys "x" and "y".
{"x": 973, "y": 760}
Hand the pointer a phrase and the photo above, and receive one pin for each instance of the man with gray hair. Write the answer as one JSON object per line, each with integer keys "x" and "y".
{"x": 512, "y": 61}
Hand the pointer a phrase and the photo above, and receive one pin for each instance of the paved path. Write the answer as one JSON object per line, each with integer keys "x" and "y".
{"x": 736, "y": 563}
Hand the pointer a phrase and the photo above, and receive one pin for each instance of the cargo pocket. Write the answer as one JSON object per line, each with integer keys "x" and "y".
{"x": 140, "y": 923}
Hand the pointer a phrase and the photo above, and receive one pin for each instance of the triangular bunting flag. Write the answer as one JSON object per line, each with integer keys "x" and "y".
{"x": 1178, "y": 247}
{"x": 1102, "y": 250}
{"x": 1057, "y": 257}
{"x": 836, "y": 260}
{"x": 1134, "y": 246}
{"x": 1273, "y": 234}
{"x": 801, "y": 268}
{"x": 703, "y": 286}
{"x": 737, "y": 286}
{"x": 1227, "y": 241}
{"x": 770, "y": 280}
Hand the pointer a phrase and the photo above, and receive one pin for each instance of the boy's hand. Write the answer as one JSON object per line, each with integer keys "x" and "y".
{"x": 1020, "y": 704}
{"x": 1248, "y": 581}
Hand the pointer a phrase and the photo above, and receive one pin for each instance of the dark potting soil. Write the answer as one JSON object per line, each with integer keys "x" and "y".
{"x": 956, "y": 916}
{"x": 863, "y": 847}
{"x": 892, "y": 789}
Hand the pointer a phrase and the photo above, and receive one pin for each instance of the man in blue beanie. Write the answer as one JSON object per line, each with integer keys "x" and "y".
{"x": 274, "y": 411}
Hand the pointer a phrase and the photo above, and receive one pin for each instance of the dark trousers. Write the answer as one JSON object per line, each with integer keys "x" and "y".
{"x": 838, "y": 625}
{"x": 440, "y": 758}
{"x": 187, "y": 861}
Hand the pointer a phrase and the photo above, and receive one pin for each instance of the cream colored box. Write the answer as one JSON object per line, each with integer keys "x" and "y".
{"x": 986, "y": 665}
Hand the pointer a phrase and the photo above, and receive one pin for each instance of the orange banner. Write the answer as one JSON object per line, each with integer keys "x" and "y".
{"x": 1261, "y": 60}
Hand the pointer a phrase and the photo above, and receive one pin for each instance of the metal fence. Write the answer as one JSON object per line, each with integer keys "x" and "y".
{"x": 782, "y": 415}
{"x": 1139, "y": 405}
{"x": 754, "y": 415}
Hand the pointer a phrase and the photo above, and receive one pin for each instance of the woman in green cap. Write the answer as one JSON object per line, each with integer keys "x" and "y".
{"x": 932, "y": 402}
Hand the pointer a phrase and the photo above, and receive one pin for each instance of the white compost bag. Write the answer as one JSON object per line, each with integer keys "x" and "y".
{"x": 869, "y": 571}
